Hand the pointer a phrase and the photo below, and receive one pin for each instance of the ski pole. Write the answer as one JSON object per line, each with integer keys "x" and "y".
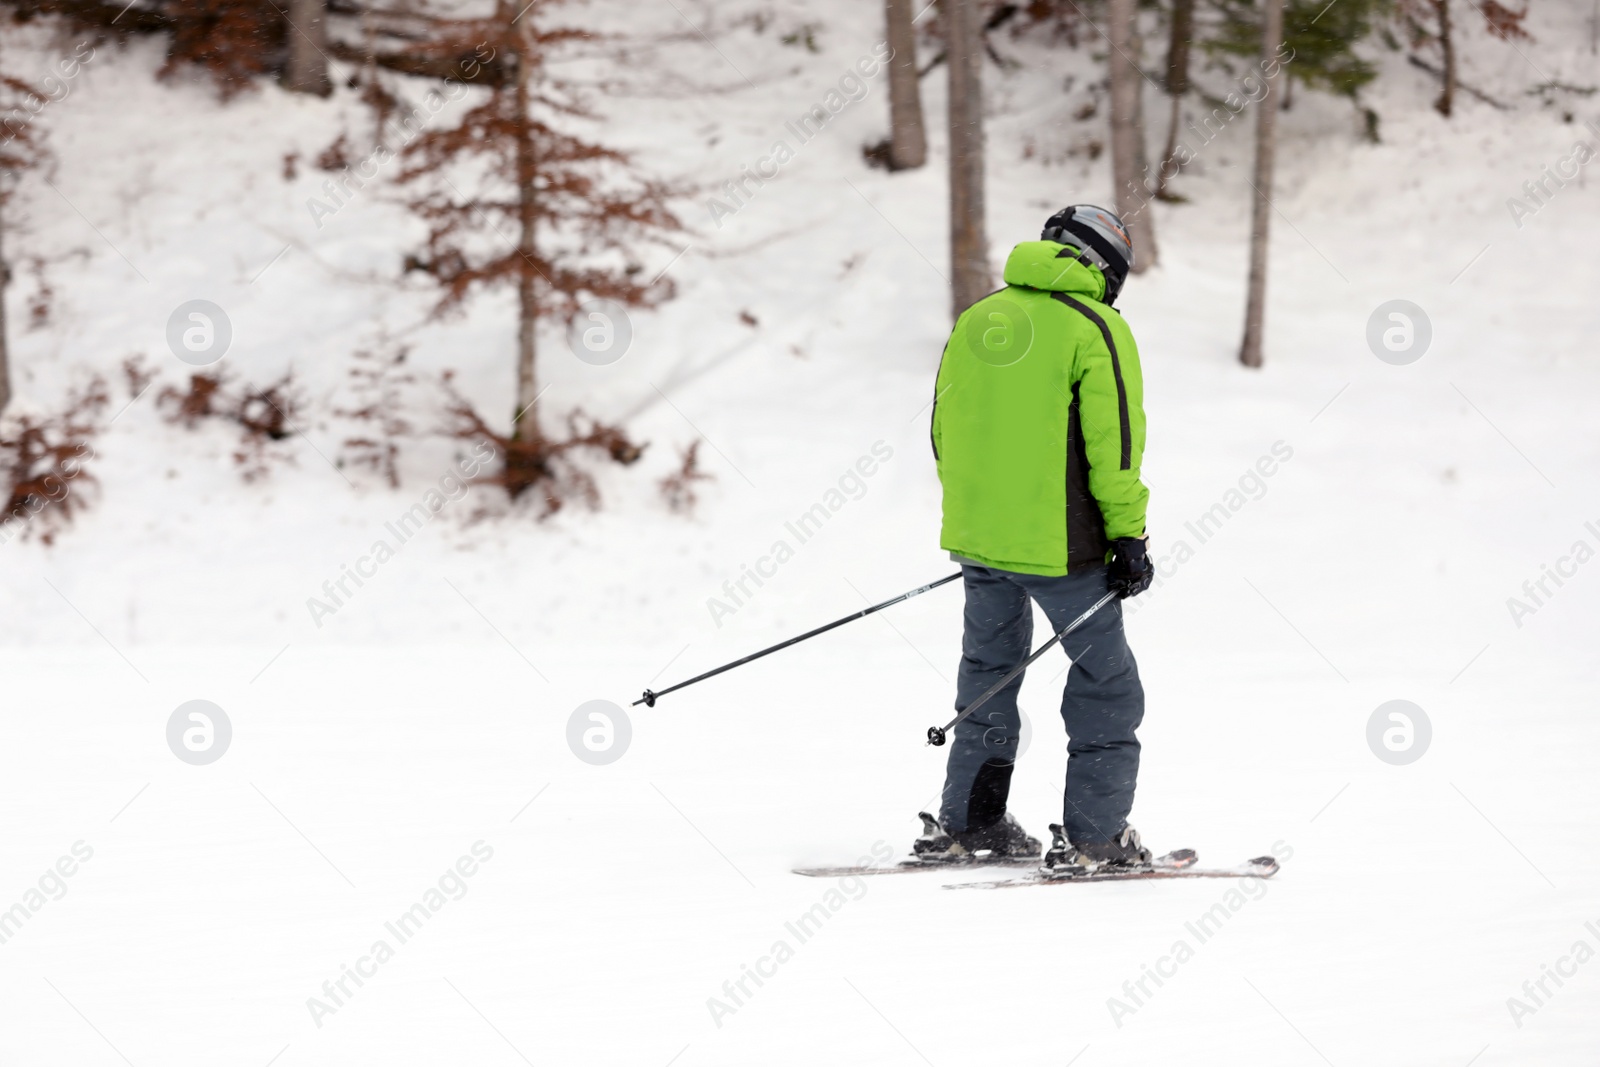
{"x": 936, "y": 733}
{"x": 649, "y": 699}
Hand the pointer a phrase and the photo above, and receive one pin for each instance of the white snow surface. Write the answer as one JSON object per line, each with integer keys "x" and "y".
{"x": 372, "y": 752}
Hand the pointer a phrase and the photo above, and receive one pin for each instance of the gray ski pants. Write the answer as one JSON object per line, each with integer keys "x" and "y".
{"x": 1102, "y": 703}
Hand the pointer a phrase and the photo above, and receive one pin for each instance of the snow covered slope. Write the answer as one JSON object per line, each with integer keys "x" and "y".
{"x": 372, "y": 753}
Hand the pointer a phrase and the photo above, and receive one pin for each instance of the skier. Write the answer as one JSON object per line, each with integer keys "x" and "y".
{"x": 1038, "y": 433}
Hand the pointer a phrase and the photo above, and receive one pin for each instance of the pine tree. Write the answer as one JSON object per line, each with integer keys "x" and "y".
{"x": 1321, "y": 38}
{"x": 556, "y": 218}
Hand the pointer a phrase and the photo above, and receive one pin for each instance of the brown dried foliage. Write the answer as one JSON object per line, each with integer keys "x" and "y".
{"x": 263, "y": 414}
{"x": 219, "y": 37}
{"x": 20, "y": 148}
{"x": 336, "y": 156}
{"x": 41, "y": 457}
{"x": 545, "y": 465}
{"x": 1505, "y": 23}
{"x": 233, "y": 41}
{"x": 1421, "y": 17}
{"x": 590, "y": 210}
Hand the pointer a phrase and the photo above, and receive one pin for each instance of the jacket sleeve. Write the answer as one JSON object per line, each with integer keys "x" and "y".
{"x": 1111, "y": 406}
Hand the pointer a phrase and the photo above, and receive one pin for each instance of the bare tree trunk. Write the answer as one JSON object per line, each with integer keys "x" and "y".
{"x": 1178, "y": 51}
{"x": 5, "y": 344}
{"x": 1129, "y": 171}
{"x": 307, "y": 71}
{"x": 1261, "y": 216}
{"x": 908, "y": 144}
{"x": 969, "y": 243}
{"x": 1447, "y": 96}
{"x": 371, "y": 91}
{"x": 1141, "y": 156}
{"x": 525, "y": 421}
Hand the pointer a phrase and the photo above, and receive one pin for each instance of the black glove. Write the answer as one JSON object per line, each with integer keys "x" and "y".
{"x": 1131, "y": 570}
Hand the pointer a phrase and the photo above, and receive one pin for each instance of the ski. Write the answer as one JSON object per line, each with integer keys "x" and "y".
{"x": 1173, "y": 865}
{"x": 913, "y": 865}
{"x": 1183, "y": 857}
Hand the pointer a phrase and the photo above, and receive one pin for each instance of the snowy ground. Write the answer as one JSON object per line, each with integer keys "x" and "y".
{"x": 430, "y": 714}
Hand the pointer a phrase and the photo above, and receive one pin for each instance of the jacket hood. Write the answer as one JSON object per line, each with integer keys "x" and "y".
{"x": 1054, "y": 268}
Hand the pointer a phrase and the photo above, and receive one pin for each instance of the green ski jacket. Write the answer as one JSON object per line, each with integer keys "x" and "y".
{"x": 1038, "y": 420}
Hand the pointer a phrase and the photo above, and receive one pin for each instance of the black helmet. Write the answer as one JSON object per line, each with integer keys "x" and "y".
{"x": 1100, "y": 237}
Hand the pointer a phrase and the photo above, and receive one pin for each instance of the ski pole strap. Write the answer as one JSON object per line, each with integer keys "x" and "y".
{"x": 649, "y": 699}
{"x": 936, "y": 734}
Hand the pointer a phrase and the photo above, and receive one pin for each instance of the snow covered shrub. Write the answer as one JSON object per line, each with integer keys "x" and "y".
{"x": 546, "y": 463}
{"x": 263, "y": 414}
{"x": 42, "y": 458}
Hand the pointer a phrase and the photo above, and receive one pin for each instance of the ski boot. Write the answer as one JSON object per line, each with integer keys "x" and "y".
{"x": 1002, "y": 840}
{"x": 1065, "y": 858}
